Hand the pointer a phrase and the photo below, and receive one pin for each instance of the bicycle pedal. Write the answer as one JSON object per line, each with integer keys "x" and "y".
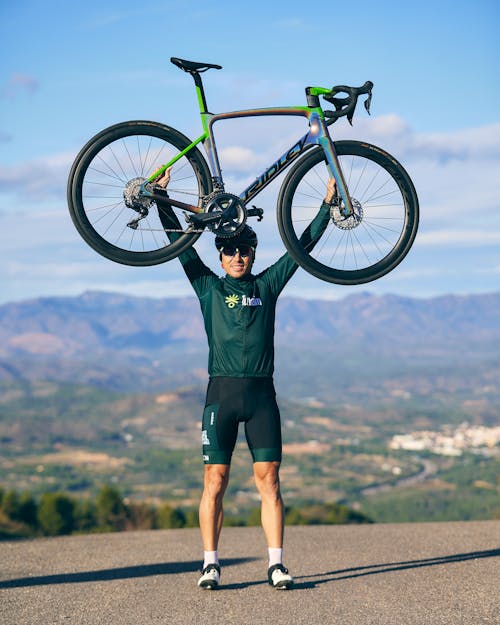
{"x": 256, "y": 212}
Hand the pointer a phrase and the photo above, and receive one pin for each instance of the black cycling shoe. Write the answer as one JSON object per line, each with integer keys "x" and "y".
{"x": 279, "y": 577}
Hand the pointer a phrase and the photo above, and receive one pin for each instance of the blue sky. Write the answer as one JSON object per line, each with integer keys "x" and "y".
{"x": 67, "y": 71}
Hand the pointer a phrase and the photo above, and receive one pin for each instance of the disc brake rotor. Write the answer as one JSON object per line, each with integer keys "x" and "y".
{"x": 347, "y": 222}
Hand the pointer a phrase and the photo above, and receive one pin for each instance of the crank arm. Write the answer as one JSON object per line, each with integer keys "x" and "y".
{"x": 162, "y": 199}
{"x": 205, "y": 219}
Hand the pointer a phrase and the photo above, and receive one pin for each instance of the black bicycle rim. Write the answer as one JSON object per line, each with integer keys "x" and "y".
{"x": 379, "y": 235}
{"x": 122, "y": 155}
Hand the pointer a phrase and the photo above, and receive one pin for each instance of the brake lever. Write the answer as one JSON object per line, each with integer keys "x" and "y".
{"x": 347, "y": 105}
{"x": 368, "y": 102}
{"x": 366, "y": 88}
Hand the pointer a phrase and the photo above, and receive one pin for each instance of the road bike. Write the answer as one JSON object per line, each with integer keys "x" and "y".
{"x": 115, "y": 203}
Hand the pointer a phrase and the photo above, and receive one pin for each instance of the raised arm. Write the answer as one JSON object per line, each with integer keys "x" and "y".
{"x": 198, "y": 274}
{"x": 278, "y": 274}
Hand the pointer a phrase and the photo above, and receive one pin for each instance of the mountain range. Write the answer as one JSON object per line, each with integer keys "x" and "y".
{"x": 133, "y": 343}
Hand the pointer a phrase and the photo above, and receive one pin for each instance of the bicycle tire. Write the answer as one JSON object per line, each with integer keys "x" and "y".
{"x": 119, "y": 154}
{"x": 380, "y": 233}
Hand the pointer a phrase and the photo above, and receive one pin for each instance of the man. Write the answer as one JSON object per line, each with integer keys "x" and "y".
{"x": 239, "y": 313}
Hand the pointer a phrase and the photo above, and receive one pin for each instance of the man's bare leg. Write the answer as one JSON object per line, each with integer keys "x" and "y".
{"x": 272, "y": 510}
{"x": 211, "y": 517}
{"x": 273, "y": 521}
{"x": 211, "y": 511}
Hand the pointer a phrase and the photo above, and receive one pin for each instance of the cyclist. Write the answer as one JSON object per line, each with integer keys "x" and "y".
{"x": 239, "y": 314}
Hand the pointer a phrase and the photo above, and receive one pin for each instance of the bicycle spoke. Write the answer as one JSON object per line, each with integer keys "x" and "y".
{"x": 115, "y": 175}
{"x": 351, "y": 243}
{"x": 109, "y": 179}
{"x": 113, "y": 222}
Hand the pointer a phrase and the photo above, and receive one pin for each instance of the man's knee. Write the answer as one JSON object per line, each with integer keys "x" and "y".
{"x": 267, "y": 478}
{"x": 216, "y": 479}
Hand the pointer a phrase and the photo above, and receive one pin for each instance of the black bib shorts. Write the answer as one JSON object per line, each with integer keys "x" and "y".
{"x": 232, "y": 400}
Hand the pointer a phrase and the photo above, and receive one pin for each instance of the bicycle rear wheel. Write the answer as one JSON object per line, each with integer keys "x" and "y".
{"x": 114, "y": 163}
{"x": 369, "y": 243}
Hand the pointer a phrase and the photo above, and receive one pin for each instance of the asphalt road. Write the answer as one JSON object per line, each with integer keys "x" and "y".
{"x": 405, "y": 574}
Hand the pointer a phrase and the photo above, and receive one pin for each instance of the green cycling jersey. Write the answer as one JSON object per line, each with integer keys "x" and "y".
{"x": 239, "y": 313}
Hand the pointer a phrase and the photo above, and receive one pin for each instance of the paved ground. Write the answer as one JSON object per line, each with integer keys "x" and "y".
{"x": 408, "y": 574}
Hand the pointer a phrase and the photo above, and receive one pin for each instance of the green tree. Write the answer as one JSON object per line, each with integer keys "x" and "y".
{"x": 192, "y": 518}
{"x": 111, "y": 511}
{"x": 170, "y": 518}
{"x": 85, "y": 516}
{"x": 28, "y": 510}
{"x": 55, "y": 514}
{"x": 141, "y": 516}
{"x": 253, "y": 518}
{"x": 293, "y": 516}
{"x": 10, "y": 505}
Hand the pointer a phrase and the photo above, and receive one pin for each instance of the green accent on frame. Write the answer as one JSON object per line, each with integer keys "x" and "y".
{"x": 318, "y": 91}
{"x": 177, "y": 157}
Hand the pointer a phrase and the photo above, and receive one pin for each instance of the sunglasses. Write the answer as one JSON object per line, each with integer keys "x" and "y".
{"x": 231, "y": 250}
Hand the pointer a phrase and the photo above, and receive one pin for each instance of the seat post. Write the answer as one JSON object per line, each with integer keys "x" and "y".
{"x": 194, "y": 68}
{"x": 200, "y": 91}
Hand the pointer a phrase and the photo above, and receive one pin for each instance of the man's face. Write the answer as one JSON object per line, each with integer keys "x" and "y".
{"x": 237, "y": 261}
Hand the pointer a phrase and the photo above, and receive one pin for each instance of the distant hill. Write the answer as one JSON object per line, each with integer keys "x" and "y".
{"x": 134, "y": 343}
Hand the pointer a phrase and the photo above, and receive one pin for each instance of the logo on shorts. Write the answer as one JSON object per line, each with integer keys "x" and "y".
{"x": 204, "y": 438}
{"x": 232, "y": 300}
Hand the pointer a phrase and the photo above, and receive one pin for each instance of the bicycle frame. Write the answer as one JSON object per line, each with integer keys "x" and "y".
{"x": 317, "y": 135}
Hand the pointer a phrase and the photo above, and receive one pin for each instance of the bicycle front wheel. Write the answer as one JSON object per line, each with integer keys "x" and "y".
{"x": 375, "y": 238}
{"x": 107, "y": 172}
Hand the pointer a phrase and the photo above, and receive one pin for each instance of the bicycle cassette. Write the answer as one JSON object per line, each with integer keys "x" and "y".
{"x": 133, "y": 200}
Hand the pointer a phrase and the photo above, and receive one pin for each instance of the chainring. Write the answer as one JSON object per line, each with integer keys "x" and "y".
{"x": 233, "y": 217}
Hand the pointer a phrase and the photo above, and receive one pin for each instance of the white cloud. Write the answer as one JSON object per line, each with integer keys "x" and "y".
{"x": 455, "y": 175}
{"x": 56, "y": 270}
{"x": 108, "y": 18}
{"x": 18, "y": 85}
{"x": 38, "y": 179}
{"x": 459, "y": 237}
{"x": 293, "y": 23}
{"x": 476, "y": 143}
{"x": 237, "y": 158}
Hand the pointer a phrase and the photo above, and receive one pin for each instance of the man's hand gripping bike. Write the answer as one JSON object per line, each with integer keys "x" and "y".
{"x": 114, "y": 202}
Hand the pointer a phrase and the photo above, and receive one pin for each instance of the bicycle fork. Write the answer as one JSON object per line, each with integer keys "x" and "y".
{"x": 319, "y": 135}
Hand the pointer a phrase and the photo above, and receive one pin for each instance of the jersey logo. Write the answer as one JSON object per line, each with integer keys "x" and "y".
{"x": 232, "y": 300}
{"x": 251, "y": 301}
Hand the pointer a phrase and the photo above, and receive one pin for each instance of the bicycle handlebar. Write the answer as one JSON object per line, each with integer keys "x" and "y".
{"x": 347, "y": 105}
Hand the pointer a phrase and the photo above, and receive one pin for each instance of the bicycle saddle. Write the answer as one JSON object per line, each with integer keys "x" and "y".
{"x": 193, "y": 66}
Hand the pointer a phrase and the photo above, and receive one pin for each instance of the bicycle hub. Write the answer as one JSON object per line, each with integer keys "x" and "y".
{"x": 133, "y": 199}
{"x": 346, "y": 222}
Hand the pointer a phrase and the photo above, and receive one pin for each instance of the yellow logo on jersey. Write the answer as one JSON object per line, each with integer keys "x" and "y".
{"x": 232, "y": 300}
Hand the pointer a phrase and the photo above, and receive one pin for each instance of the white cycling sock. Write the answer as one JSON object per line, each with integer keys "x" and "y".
{"x": 210, "y": 557}
{"x": 275, "y": 555}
